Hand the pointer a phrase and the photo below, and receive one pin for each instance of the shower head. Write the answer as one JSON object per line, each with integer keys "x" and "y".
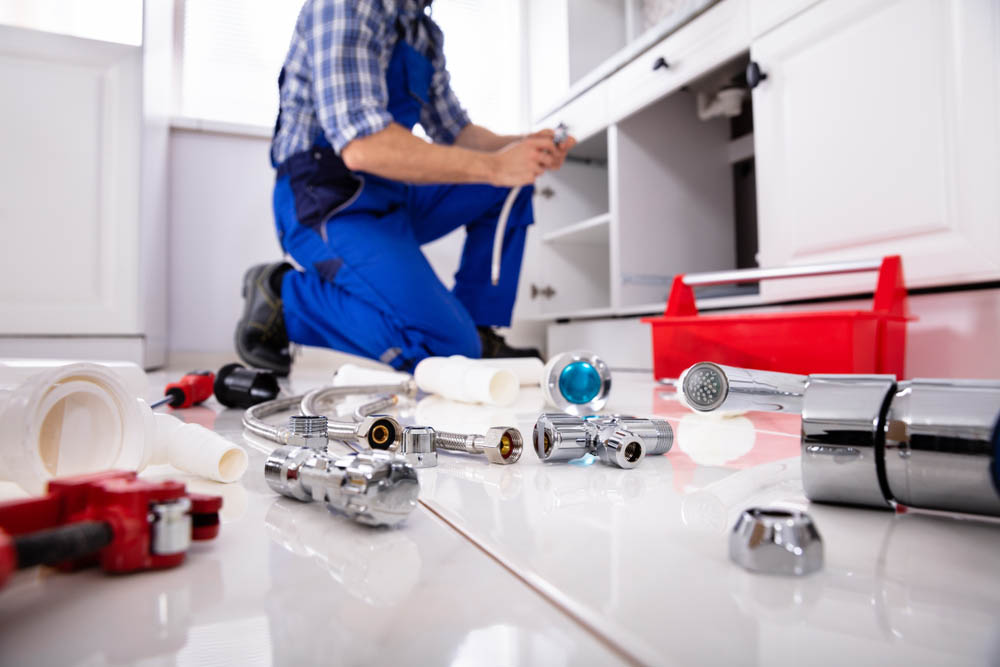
{"x": 705, "y": 386}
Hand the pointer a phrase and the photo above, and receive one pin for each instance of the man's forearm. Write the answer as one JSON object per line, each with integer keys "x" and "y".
{"x": 397, "y": 154}
{"x": 478, "y": 138}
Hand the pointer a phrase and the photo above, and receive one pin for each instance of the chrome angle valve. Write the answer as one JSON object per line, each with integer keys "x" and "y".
{"x": 617, "y": 440}
{"x": 375, "y": 488}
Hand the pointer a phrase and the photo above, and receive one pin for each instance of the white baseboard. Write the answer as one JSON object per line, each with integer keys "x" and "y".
{"x": 84, "y": 348}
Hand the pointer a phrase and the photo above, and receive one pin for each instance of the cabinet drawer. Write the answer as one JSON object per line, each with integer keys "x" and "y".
{"x": 714, "y": 37}
{"x": 585, "y": 116}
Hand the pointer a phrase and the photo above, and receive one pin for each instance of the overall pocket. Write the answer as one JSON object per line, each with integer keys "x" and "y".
{"x": 321, "y": 183}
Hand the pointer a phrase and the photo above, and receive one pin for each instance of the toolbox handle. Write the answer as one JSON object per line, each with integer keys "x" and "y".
{"x": 890, "y": 292}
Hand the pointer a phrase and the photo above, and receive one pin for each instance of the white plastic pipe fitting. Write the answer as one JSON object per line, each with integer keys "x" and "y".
{"x": 77, "y": 418}
{"x": 462, "y": 379}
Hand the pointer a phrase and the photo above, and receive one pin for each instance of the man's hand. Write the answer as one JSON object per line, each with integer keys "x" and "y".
{"x": 558, "y": 152}
{"x": 521, "y": 162}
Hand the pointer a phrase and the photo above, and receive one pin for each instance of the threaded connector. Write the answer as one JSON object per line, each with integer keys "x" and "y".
{"x": 308, "y": 431}
{"x": 502, "y": 444}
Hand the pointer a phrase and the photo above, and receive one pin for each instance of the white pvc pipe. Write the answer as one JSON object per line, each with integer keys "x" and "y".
{"x": 352, "y": 375}
{"x": 78, "y": 418}
{"x": 466, "y": 380}
{"x": 527, "y": 369}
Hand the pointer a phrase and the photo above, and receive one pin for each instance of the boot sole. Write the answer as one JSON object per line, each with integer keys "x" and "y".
{"x": 246, "y": 355}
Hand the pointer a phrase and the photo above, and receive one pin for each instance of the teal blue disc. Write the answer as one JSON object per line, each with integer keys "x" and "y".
{"x": 579, "y": 382}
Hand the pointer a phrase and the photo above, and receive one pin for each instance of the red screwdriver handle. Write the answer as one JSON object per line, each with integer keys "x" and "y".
{"x": 191, "y": 389}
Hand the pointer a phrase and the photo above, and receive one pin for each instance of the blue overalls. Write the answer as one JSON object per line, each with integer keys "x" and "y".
{"x": 367, "y": 289}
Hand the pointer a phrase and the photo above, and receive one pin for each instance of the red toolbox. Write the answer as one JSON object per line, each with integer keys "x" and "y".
{"x": 842, "y": 341}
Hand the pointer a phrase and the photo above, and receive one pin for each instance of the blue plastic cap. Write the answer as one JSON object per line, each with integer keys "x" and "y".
{"x": 579, "y": 382}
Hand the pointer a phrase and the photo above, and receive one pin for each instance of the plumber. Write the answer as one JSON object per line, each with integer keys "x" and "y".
{"x": 357, "y": 194}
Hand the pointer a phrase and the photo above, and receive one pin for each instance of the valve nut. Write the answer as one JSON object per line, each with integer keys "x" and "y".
{"x": 417, "y": 446}
{"x": 503, "y": 445}
{"x": 619, "y": 447}
{"x": 560, "y": 437}
{"x": 283, "y": 471}
{"x": 307, "y": 431}
{"x": 775, "y": 541}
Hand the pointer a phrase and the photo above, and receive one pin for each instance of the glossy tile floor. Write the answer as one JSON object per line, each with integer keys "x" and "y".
{"x": 533, "y": 564}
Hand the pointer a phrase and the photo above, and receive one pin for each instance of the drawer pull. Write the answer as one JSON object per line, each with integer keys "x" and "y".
{"x": 754, "y": 75}
{"x": 661, "y": 63}
{"x": 546, "y": 292}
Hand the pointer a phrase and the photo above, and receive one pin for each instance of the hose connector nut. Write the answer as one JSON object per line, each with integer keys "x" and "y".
{"x": 307, "y": 431}
{"x": 620, "y": 447}
{"x": 380, "y": 432}
{"x": 775, "y": 541}
{"x": 417, "y": 446}
{"x": 503, "y": 445}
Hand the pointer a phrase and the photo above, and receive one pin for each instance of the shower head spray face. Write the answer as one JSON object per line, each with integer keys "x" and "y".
{"x": 705, "y": 386}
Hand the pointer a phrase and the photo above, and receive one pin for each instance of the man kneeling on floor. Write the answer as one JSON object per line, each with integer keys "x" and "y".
{"x": 357, "y": 195}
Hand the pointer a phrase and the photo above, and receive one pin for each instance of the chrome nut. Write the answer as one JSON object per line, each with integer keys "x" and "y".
{"x": 620, "y": 447}
{"x": 417, "y": 446}
{"x": 774, "y": 541}
{"x": 308, "y": 431}
{"x": 503, "y": 445}
{"x": 561, "y": 437}
{"x": 380, "y": 432}
{"x": 284, "y": 467}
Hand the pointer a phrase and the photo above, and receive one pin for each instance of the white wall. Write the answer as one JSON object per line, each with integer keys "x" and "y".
{"x": 221, "y": 223}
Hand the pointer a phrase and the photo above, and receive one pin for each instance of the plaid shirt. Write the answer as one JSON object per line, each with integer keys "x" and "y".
{"x": 335, "y": 70}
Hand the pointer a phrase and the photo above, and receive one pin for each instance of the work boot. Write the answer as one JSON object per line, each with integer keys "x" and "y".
{"x": 261, "y": 339}
{"x": 495, "y": 347}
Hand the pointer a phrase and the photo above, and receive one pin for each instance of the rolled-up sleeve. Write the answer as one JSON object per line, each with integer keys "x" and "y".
{"x": 346, "y": 41}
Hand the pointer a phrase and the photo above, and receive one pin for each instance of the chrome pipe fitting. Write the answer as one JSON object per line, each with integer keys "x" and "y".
{"x": 619, "y": 447}
{"x": 771, "y": 541}
{"x": 617, "y": 440}
{"x": 501, "y": 444}
{"x": 308, "y": 431}
{"x": 417, "y": 446}
{"x": 872, "y": 441}
{"x": 373, "y": 488}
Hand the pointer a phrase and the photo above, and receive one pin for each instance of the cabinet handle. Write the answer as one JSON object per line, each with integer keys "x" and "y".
{"x": 754, "y": 75}
{"x": 546, "y": 292}
{"x": 661, "y": 63}
{"x": 546, "y": 192}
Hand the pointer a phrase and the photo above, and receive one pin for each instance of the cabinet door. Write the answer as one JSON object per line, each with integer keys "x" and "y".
{"x": 877, "y": 131}
{"x": 69, "y": 185}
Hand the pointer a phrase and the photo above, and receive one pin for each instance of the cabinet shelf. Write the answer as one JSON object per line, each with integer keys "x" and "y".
{"x": 592, "y": 231}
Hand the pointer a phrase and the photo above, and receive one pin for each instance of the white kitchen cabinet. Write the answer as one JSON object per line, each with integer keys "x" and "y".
{"x": 83, "y": 194}
{"x": 569, "y": 38}
{"x": 877, "y": 132}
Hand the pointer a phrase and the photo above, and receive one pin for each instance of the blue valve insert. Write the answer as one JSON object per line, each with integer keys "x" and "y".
{"x": 579, "y": 382}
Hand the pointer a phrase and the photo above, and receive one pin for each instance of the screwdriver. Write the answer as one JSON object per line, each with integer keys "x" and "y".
{"x": 190, "y": 390}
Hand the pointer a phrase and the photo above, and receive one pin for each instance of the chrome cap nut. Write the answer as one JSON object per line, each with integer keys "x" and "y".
{"x": 619, "y": 447}
{"x": 417, "y": 446}
{"x": 773, "y": 541}
{"x": 503, "y": 445}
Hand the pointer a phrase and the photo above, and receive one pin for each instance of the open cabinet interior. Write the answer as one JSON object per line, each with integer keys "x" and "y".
{"x": 682, "y": 190}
